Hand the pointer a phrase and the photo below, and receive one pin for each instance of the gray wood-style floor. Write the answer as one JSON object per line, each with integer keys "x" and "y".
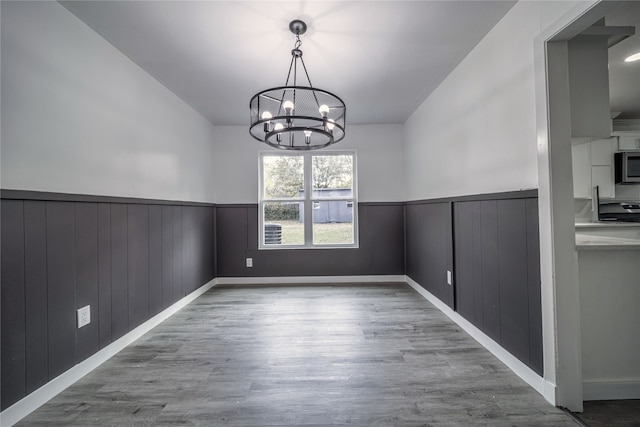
{"x": 359, "y": 355}
{"x": 606, "y": 413}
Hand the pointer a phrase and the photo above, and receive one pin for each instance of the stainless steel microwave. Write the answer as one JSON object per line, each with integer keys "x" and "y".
{"x": 627, "y": 167}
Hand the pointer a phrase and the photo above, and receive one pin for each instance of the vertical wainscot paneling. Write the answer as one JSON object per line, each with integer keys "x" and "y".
{"x": 512, "y": 253}
{"x": 138, "y": 267}
{"x": 13, "y": 384}
{"x": 213, "y": 267}
{"x": 189, "y": 241}
{"x": 209, "y": 244}
{"x": 86, "y": 231}
{"x": 466, "y": 277}
{"x": 490, "y": 272}
{"x": 61, "y": 286}
{"x": 469, "y": 281}
{"x": 430, "y": 247}
{"x": 497, "y": 263}
{"x": 155, "y": 259}
{"x": 119, "y": 275}
{"x": 35, "y": 268}
{"x": 476, "y": 266}
{"x": 167, "y": 256}
{"x": 205, "y": 244}
{"x": 177, "y": 252}
{"x": 380, "y": 251}
{"x": 123, "y": 258}
{"x": 104, "y": 274}
{"x": 414, "y": 231}
{"x": 534, "y": 291}
{"x": 232, "y": 229}
{"x": 382, "y": 238}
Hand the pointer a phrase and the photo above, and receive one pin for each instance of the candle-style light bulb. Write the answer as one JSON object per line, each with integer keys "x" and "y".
{"x": 276, "y": 128}
{"x": 267, "y": 125}
{"x": 307, "y": 136}
{"x": 330, "y": 125}
{"x": 324, "y": 110}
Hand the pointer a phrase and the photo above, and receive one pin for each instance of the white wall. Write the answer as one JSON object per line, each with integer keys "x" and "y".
{"x": 610, "y": 295}
{"x": 628, "y": 191}
{"x": 379, "y": 158}
{"x": 80, "y": 117}
{"x": 476, "y": 133}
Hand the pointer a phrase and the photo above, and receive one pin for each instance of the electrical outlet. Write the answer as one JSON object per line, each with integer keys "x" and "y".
{"x": 84, "y": 316}
{"x": 449, "y": 277}
{"x": 249, "y": 262}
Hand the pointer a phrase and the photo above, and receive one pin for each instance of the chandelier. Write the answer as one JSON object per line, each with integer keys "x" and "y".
{"x": 294, "y": 116}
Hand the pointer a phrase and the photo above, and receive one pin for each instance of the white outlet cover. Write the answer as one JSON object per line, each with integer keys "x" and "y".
{"x": 449, "y": 277}
{"x": 84, "y": 316}
{"x": 249, "y": 262}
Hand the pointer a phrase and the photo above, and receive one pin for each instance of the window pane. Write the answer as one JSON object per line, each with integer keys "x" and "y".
{"x": 333, "y": 222}
{"x": 283, "y": 224}
{"x": 332, "y": 176}
{"x": 283, "y": 201}
{"x": 283, "y": 177}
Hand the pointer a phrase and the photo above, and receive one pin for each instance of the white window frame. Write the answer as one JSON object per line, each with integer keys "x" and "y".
{"x": 308, "y": 201}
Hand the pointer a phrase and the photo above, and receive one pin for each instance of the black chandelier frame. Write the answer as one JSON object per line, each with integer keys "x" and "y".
{"x": 295, "y": 117}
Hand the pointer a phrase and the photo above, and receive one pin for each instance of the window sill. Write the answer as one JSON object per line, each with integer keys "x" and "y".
{"x": 296, "y": 247}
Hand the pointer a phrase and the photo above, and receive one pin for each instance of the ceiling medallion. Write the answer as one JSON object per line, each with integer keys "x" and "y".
{"x": 297, "y": 117}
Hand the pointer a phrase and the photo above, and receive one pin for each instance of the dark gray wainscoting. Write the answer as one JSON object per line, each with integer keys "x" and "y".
{"x": 491, "y": 244}
{"x": 381, "y": 250}
{"x": 429, "y": 241}
{"x": 497, "y": 260}
{"x": 126, "y": 258}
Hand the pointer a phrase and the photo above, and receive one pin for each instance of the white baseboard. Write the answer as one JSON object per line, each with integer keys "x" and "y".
{"x": 39, "y": 397}
{"x": 309, "y": 279}
{"x": 610, "y": 390}
{"x": 545, "y": 388}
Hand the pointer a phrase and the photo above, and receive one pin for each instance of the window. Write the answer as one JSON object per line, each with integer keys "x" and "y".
{"x": 308, "y": 200}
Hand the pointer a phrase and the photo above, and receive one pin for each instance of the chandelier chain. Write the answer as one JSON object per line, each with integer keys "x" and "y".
{"x": 293, "y": 58}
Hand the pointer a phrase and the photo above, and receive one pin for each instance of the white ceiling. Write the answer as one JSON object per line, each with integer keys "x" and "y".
{"x": 624, "y": 77}
{"x": 383, "y": 58}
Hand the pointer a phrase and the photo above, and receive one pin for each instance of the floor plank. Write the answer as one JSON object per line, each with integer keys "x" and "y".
{"x": 376, "y": 355}
{"x": 605, "y": 413}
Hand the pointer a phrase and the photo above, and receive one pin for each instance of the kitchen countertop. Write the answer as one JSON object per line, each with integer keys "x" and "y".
{"x": 595, "y": 242}
{"x": 605, "y": 224}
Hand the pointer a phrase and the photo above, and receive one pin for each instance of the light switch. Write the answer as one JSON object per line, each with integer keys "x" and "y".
{"x": 449, "y": 277}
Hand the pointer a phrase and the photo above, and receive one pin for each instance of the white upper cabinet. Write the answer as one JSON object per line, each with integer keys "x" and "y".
{"x": 602, "y": 151}
{"x": 593, "y": 165}
{"x": 628, "y": 141}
